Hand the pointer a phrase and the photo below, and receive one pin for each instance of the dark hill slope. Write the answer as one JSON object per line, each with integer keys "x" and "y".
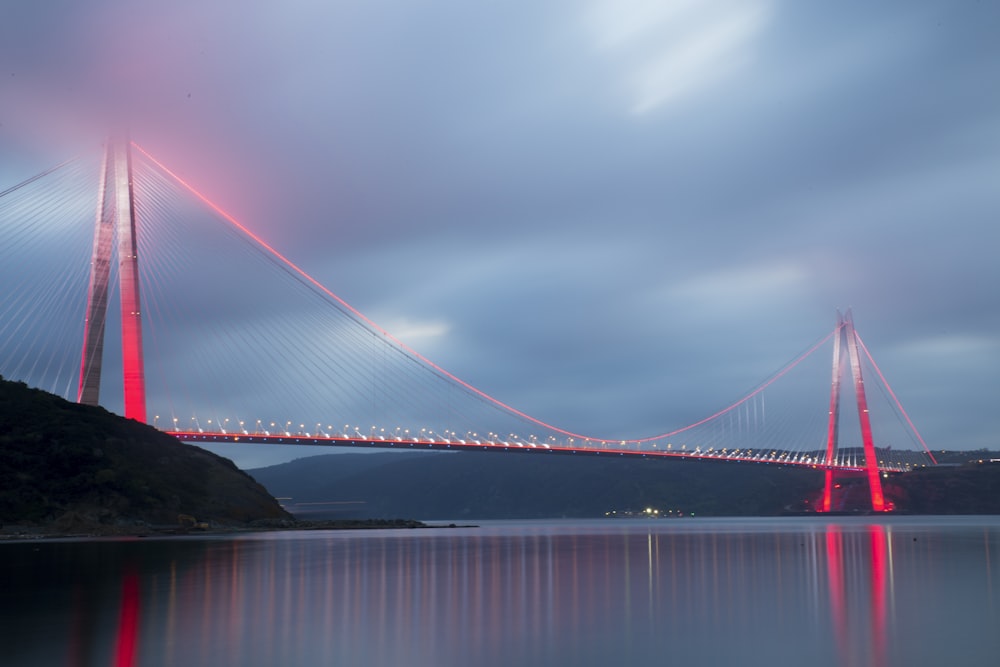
{"x": 72, "y": 466}
{"x": 971, "y": 488}
{"x": 470, "y": 485}
{"x": 521, "y": 485}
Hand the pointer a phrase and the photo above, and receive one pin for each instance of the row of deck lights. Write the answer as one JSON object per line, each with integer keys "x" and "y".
{"x": 355, "y": 432}
{"x": 448, "y": 436}
{"x": 398, "y": 434}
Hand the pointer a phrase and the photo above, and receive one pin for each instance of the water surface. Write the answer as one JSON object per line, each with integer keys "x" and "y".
{"x": 887, "y": 591}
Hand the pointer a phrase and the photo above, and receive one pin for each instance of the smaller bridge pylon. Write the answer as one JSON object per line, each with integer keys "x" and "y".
{"x": 845, "y": 336}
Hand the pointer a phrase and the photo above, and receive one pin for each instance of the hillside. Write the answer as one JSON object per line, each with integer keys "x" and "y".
{"x": 970, "y": 488}
{"x": 74, "y": 468}
{"x": 469, "y": 485}
{"x": 435, "y": 485}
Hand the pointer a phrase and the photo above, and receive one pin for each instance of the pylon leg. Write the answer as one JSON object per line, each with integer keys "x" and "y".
{"x": 91, "y": 361}
{"x": 871, "y": 459}
{"x": 827, "y": 492}
{"x": 134, "y": 377}
{"x": 833, "y": 424}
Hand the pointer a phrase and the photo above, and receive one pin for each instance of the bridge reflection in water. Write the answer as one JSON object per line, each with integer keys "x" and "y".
{"x": 690, "y": 592}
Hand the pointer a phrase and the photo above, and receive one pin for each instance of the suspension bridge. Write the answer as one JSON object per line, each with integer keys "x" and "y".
{"x": 256, "y": 350}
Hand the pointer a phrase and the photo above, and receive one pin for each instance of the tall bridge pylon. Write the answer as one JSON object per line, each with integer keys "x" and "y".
{"x": 115, "y": 218}
{"x": 846, "y": 336}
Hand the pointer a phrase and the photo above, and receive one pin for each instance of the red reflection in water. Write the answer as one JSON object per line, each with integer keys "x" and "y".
{"x": 878, "y": 589}
{"x": 835, "y": 576}
{"x": 546, "y": 597}
{"x": 871, "y": 559}
{"x": 128, "y": 622}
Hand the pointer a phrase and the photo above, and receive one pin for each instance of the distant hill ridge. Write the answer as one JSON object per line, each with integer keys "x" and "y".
{"x": 519, "y": 485}
{"x": 468, "y": 485}
{"x": 75, "y": 468}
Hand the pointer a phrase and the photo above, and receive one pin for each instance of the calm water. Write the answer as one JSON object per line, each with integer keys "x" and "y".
{"x": 900, "y": 591}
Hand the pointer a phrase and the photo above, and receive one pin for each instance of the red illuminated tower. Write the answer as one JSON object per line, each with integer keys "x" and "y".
{"x": 845, "y": 335}
{"x": 115, "y": 216}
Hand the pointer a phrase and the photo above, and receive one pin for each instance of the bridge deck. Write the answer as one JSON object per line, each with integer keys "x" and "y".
{"x": 605, "y": 449}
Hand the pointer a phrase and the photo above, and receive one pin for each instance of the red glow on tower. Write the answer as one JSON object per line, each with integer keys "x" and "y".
{"x": 115, "y": 215}
{"x": 845, "y": 334}
{"x": 871, "y": 459}
{"x": 133, "y": 375}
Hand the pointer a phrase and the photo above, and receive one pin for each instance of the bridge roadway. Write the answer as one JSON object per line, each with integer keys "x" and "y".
{"x": 776, "y": 457}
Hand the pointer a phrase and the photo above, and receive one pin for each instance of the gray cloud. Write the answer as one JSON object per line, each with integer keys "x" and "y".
{"x": 592, "y": 210}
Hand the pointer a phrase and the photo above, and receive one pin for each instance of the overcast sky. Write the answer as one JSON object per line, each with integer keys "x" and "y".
{"x": 684, "y": 189}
